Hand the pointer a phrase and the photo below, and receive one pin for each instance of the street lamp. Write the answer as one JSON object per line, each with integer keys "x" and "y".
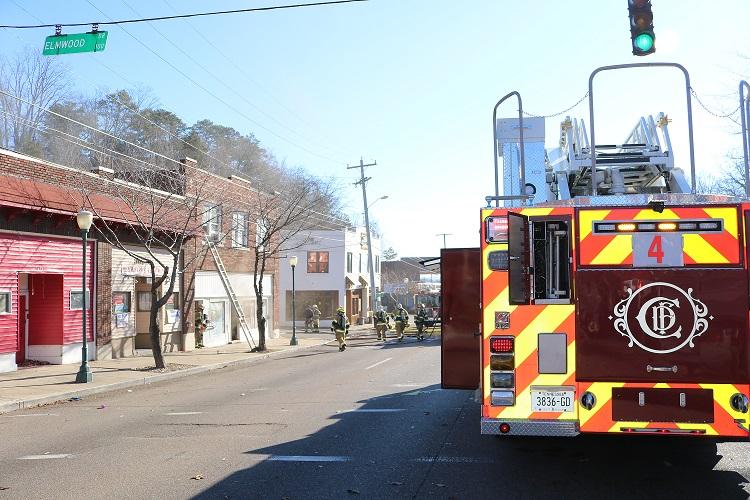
{"x": 84, "y": 220}
{"x": 293, "y": 263}
{"x": 373, "y": 292}
{"x": 384, "y": 197}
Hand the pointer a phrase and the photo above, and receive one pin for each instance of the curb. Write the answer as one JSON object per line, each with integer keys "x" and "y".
{"x": 45, "y": 400}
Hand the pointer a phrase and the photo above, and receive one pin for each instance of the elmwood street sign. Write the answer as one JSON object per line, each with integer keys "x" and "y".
{"x": 74, "y": 44}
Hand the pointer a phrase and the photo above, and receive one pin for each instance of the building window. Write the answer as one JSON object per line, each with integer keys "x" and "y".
{"x": 212, "y": 219}
{"x": 429, "y": 278}
{"x": 349, "y": 262}
{"x": 239, "y": 230}
{"x": 76, "y": 299}
{"x": 173, "y": 302}
{"x": 317, "y": 262}
{"x": 261, "y": 233}
{"x": 377, "y": 263}
{"x": 144, "y": 301}
{"x": 172, "y": 308}
{"x": 5, "y": 300}
{"x": 360, "y": 263}
{"x": 120, "y": 302}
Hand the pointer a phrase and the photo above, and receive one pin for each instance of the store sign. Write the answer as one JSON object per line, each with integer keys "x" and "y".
{"x": 140, "y": 269}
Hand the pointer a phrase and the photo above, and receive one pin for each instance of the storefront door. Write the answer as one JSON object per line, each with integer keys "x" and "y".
{"x": 216, "y": 333}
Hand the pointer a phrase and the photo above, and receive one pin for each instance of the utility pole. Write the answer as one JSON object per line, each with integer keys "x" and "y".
{"x": 444, "y": 235}
{"x": 363, "y": 180}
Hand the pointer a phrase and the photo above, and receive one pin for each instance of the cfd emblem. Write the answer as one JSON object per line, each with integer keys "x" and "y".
{"x": 661, "y": 320}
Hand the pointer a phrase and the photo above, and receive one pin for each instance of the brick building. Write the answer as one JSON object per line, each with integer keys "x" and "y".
{"x": 41, "y": 292}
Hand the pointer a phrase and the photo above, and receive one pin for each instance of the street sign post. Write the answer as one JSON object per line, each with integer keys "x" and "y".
{"x": 73, "y": 44}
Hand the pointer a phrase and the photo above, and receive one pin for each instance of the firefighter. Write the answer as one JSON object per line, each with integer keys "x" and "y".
{"x": 381, "y": 323}
{"x": 340, "y": 326}
{"x": 316, "y": 318}
{"x": 420, "y": 321}
{"x": 308, "y": 318}
{"x": 401, "y": 318}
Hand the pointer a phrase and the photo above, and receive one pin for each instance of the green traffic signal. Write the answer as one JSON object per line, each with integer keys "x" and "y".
{"x": 644, "y": 42}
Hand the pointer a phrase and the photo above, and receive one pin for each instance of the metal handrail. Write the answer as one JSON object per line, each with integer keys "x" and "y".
{"x": 522, "y": 166}
{"x": 689, "y": 114}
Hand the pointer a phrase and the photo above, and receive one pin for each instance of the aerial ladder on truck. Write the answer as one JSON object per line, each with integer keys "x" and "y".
{"x": 614, "y": 298}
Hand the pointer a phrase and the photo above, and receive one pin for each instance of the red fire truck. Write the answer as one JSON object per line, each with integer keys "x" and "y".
{"x": 614, "y": 299}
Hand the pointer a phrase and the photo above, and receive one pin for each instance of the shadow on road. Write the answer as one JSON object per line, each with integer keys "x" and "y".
{"x": 425, "y": 443}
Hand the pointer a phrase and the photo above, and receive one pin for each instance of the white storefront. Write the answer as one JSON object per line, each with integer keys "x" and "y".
{"x": 223, "y": 325}
{"x": 131, "y": 303}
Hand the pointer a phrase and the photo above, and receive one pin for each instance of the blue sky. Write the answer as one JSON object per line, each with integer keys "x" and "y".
{"x": 411, "y": 84}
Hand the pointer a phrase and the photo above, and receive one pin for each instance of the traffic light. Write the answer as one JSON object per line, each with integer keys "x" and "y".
{"x": 641, "y": 27}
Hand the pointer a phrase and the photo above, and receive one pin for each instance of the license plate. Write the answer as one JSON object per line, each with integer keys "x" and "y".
{"x": 552, "y": 400}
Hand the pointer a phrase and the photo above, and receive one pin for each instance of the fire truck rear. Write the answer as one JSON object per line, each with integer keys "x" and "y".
{"x": 614, "y": 301}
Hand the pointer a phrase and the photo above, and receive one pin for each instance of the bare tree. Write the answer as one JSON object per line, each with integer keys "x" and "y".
{"x": 157, "y": 210}
{"x": 35, "y": 79}
{"x": 283, "y": 220}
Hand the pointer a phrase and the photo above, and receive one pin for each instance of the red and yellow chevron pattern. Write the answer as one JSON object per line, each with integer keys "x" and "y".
{"x": 526, "y": 322}
{"x": 599, "y": 418}
{"x": 698, "y": 249}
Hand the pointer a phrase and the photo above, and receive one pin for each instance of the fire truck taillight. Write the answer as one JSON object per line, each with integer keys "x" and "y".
{"x": 502, "y": 362}
{"x": 739, "y": 403}
{"x": 501, "y": 344}
{"x": 667, "y": 226}
{"x": 497, "y": 229}
{"x": 502, "y": 398}
{"x": 502, "y": 380}
{"x": 626, "y": 227}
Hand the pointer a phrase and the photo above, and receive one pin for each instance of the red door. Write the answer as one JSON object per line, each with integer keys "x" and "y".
{"x": 461, "y": 316}
{"x": 21, "y": 350}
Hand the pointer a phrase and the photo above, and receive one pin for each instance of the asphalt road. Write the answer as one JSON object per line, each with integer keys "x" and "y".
{"x": 371, "y": 422}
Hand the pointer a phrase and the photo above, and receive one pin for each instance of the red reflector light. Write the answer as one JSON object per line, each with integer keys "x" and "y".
{"x": 501, "y": 344}
{"x": 504, "y": 428}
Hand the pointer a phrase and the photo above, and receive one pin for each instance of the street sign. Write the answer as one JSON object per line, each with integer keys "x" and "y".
{"x": 73, "y": 44}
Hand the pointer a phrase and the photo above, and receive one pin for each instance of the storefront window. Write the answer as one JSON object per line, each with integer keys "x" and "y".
{"x": 144, "y": 301}
{"x": 5, "y": 299}
{"x": 120, "y": 302}
{"x": 76, "y": 299}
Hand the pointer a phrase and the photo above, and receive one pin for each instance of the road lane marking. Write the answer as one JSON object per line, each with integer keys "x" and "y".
{"x": 33, "y": 415}
{"x": 308, "y": 458}
{"x": 454, "y": 460}
{"x": 376, "y": 410}
{"x": 184, "y": 413}
{"x": 45, "y": 457}
{"x": 378, "y": 363}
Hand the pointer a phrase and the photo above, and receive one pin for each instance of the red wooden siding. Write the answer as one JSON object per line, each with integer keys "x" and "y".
{"x": 39, "y": 255}
{"x": 8, "y": 322}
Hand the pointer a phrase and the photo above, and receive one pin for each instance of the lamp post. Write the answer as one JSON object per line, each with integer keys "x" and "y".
{"x": 84, "y": 220}
{"x": 293, "y": 263}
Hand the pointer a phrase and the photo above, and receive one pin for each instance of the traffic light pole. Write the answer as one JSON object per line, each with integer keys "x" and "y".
{"x": 689, "y": 114}
{"x": 744, "y": 111}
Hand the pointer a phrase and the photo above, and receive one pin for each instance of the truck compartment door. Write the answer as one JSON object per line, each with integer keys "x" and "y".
{"x": 518, "y": 254}
{"x": 461, "y": 316}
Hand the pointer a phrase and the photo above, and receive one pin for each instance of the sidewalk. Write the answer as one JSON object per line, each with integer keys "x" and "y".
{"x": 34, "y": 386}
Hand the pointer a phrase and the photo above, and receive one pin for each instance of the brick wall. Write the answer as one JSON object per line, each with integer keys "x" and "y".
{"x": 103, "y": 293}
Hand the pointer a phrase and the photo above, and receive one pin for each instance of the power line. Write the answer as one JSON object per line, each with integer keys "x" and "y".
{"x": 247, "y": 76}
{"x": 221, "y": 81}
{"x": 130, "y": 159}
{"x": 183, "y": 16}
{"x": 228, "y": 105}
